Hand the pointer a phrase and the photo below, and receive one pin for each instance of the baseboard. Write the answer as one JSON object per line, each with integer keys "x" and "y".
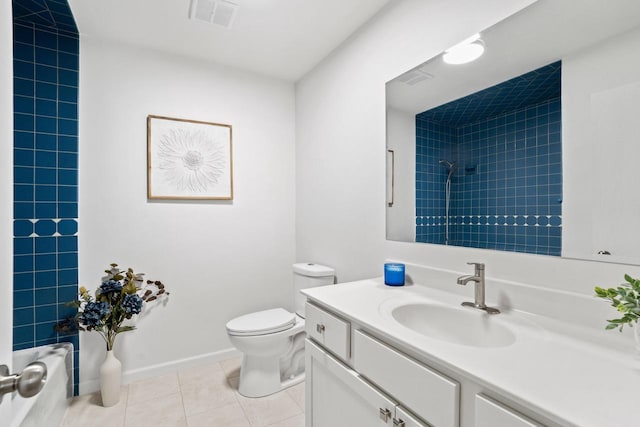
{"x": 93, "y": 385}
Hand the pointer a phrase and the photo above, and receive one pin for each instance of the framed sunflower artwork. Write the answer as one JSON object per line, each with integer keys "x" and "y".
{"x": 188, "y": 159}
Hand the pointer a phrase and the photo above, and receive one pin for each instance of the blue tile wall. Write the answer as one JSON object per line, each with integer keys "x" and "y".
{"x": 530, "y": 88}
{"x": 435, "y": 142}
{"x": 506, "y": 192}
{"x": 46, "y": 52}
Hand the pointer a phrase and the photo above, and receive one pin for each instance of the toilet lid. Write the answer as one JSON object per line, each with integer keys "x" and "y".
{"x": 262, "y": 322}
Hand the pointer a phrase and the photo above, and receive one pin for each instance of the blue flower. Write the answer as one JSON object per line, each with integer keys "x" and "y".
{"x": 132, "y": 304}
{"x": 94, "y": 313}
{"x": 110, "y": 286}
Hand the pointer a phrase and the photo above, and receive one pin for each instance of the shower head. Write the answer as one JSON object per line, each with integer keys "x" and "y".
{"x": 448, "y": 164}
{"x": 451, "y": 167}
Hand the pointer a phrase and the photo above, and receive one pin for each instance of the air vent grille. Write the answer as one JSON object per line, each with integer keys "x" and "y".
{"x": 217, "y": 12}
{"x": 414, "y": 76}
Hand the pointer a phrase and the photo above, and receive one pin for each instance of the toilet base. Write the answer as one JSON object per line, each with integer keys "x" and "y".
{"x": 260, "y": 376}
{"x": 271, "y": 362}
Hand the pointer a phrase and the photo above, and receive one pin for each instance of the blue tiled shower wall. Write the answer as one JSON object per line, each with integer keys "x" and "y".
{"x": 46, "y": 53}
{"x": 506, "y": 192}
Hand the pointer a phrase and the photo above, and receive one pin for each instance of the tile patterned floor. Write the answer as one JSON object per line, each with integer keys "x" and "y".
{"x": 206, "y": 396}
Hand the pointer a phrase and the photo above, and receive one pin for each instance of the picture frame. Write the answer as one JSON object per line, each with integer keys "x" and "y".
{"x": 188, "y": 159}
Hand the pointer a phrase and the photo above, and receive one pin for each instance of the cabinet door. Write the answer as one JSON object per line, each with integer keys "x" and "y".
{"x": 490, "y": 413}
{"x": 405, "y": 419}
{"x": 336, "y": 396}
{"x": 329, "y": 330}
{"x": 429, "y": 394}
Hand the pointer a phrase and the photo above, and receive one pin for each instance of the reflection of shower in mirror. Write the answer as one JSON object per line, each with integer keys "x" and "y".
{"x": 508, "y": 193}
{"x": 451, "y": 168}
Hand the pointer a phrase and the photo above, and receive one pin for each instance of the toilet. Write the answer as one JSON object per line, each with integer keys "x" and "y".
{"x": 272, "y": 341}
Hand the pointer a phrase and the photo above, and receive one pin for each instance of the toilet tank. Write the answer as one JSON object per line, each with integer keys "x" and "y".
{"x": 308, "y": 275}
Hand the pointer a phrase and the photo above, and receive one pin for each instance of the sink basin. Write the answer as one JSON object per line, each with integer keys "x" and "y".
{"x": 465, "y": 326}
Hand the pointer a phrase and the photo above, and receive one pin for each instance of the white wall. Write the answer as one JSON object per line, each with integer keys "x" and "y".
{"x": 6, "y": 193}
{"x": 601, "y": 143}
{"x": 218, "y": 259}
{"x": 340, "y": 128}
{"x": 401, "y": 138}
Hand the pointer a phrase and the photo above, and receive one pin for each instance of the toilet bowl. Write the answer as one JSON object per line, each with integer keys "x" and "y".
{"x": 272, "y": 341}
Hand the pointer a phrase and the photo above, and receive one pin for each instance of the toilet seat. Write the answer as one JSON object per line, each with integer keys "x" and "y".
{"x": 262, "y": 322}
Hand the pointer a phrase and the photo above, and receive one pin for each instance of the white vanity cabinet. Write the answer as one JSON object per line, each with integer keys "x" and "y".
{"x": 490, "y": 413}
{"x": 337, "y": 396}
{"x": 356, "y": 379}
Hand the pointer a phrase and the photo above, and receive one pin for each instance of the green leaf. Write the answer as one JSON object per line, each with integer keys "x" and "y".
{"x": 600, "y": 292}
{"x": 629, "y": 278}
{"x": 125, "y": 329}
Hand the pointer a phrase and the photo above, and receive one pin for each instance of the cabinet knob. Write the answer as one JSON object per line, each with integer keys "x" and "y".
{"x": 397, "y": 422}
{"x": 385, "y": 414}
{"x": 320, "y": 328}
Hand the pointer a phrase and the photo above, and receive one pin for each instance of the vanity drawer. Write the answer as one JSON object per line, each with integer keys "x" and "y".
{"x": 490, "y": 413}
{"x": 427, "y": 393}
{"x": 329, "y": 330}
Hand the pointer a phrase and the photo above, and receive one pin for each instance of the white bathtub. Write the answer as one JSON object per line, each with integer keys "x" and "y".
{"x": 47, "y": 408}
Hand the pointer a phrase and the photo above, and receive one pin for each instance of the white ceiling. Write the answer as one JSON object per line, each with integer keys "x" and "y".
{"x": 279, "y": 38}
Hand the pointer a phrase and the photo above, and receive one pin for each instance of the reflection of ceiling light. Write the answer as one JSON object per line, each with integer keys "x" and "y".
{"x": 465, "y": 51}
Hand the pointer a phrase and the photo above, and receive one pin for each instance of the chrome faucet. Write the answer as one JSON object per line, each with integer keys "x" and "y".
{"x": 478, "y": 278}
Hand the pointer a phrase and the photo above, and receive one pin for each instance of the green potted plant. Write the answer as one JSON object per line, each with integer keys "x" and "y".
{"x": 626, "y": 299}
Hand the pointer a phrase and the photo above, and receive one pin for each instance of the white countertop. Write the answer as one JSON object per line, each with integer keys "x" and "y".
{"x": 570, "y": 380}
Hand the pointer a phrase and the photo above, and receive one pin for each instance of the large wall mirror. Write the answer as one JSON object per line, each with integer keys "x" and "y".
{"x": 533, "y": 147}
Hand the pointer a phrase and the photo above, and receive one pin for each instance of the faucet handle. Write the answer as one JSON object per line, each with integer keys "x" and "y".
{"x": 479, "y": 265}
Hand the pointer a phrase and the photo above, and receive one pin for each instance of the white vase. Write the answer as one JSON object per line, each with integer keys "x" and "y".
{"x": 110, "y": 373}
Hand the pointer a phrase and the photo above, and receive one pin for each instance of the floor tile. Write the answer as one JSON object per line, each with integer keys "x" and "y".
{"x": 211, "y": 374}
{"x": 234, "y": 382}
{"x": 269, "y": 409}
{"x": 152, "y": 388}
{"x": 228, "y": 416}
{"x": 88, "y": 410}
{"x": 161, "y": 411}
{"x": 231, "y": 367}
{"x": 201, "y": 398}
{"x": 193, "y": 397}
{"x": 297, "y": 421}
{"x": 196, "y": 374}
{"x": 297, "y": 394}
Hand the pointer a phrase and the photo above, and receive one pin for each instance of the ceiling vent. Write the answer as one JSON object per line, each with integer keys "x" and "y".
{"x": 216, "y": 12}
{"x": 414, "y": 76}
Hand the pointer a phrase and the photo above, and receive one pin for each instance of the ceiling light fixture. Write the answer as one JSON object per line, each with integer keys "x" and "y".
{"x": 465, "y": 51}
